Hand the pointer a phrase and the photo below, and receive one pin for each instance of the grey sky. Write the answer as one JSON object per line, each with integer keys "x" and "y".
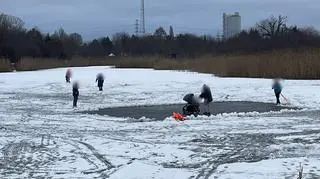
{"x": 95, "y": 18}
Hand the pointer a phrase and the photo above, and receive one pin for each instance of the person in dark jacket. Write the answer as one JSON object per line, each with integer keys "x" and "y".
{"x": 100, "y": 80}
{"x": 192, "y": 106}
{"x": 68, "y": 75}
{"x": 277, "y": 88}
{"x": 75, "y": 93}
{"x": 207, "y": 97}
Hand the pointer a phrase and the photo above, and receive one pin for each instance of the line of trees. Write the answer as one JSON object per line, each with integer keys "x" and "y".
{"x": 269, "y": 34}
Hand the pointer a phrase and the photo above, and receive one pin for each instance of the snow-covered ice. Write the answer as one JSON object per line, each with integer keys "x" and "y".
{"x": 41, "y": 135}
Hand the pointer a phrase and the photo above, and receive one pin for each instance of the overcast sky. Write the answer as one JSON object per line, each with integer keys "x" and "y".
{"x": 95, "y": 18}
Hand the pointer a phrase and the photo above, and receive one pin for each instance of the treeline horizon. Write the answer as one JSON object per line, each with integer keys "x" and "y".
{"x": 273, "y": 33}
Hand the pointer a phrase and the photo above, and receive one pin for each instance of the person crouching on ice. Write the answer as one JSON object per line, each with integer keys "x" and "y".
{"x": 68, "y": 75}
{"x": 277, "y": 89}
{"x": 75, "y": 93}
{"x": 207, "y": 97}
{"x": 100, "y": 80}
{"x": 192, "y": 106}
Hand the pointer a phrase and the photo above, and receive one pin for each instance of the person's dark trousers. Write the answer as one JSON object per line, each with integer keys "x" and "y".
{"x": 278, "y": 97}
{"x": 67, "y": 79}
{"x": 206, "y": 108}
{"x": 100, "y": 85}
{"x": 75, "y": 100}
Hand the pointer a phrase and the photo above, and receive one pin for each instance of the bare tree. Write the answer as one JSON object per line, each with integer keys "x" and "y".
{"x": 272, "y": 26}
{"x": 12, "y": 23}
{"x": 160, "y": 32}
{"x": 311, "y": 31}
{"x": 11, "y": 35}
{"x": 76, "y": 38}
{"x": 60, "y": 34}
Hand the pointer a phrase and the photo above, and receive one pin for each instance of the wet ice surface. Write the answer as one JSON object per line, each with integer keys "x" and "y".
{"x": 161, "y": 112}
{"x": 42, "y": 136}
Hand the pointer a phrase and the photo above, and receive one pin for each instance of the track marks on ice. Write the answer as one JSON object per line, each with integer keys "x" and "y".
{"x": 97, "y": 155}
{"x": 22, "y": 156}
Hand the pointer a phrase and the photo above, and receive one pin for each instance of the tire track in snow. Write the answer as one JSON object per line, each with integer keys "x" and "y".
{"x": 212, "y": 165}
{"x": 107, "y": 172}
{"x": 99, "y": 156}
{"x": 242, "y": 151}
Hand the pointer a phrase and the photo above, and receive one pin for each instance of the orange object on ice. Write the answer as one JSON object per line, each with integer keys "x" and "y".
{"x": 178, "y": 116}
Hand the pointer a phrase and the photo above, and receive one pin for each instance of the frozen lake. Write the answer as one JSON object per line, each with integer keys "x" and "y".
{"x": 161, "y": 112}
{"x": 41, "y": 135}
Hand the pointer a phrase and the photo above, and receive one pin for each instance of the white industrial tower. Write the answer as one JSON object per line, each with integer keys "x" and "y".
{"x": 231, "y": 25}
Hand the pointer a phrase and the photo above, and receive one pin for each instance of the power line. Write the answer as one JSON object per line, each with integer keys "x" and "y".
{"x": 137, "y": 27}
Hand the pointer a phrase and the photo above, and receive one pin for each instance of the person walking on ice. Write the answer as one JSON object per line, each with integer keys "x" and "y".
{"x": 100, "y": 80}
{"x": 207, "y": 97}
{"x": 68, "y": 75}
{"x": 75, "y": 93}
{"x": 277, "y": 89}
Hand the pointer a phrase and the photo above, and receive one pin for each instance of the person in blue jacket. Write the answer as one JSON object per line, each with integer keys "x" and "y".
{"x": 277, "y": 89}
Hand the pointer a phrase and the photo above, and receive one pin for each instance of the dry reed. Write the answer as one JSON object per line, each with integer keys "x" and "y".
{"x": 293, "y": 64}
